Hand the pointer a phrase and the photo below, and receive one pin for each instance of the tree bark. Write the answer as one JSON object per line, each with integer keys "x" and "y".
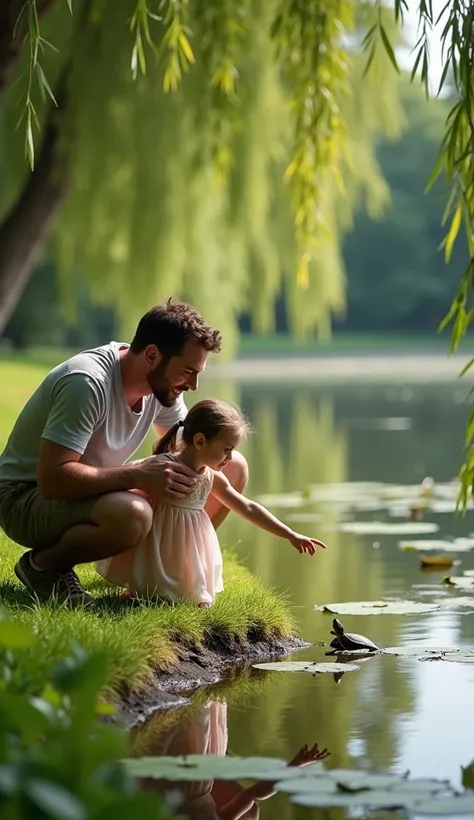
{"x": 10, "y": 48}
{"x": 27, "y": 226}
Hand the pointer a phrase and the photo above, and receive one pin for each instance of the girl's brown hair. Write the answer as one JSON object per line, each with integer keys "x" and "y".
{"x": 210, "y": 417}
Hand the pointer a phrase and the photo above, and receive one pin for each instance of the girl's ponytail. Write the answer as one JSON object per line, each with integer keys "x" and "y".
{"x": 167, "y": 443}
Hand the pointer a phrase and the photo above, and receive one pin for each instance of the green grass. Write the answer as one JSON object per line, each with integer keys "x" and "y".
{"x": 137, "y": 642}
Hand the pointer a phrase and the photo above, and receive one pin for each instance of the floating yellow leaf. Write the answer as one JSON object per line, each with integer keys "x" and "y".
{"x": 436, "y": 561}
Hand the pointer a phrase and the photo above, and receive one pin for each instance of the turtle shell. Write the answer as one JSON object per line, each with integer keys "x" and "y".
{"x": 349, "y": 640}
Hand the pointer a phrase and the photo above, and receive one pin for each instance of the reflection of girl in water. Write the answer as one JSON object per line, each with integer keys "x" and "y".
{"x": 206, "y": 733}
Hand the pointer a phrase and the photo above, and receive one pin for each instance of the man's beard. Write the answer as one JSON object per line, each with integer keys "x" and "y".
{"x": 160, "y": 386}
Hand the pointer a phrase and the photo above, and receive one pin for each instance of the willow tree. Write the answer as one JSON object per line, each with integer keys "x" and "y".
{"x": 453, "y": 22}
{"x": 214, "y": 149}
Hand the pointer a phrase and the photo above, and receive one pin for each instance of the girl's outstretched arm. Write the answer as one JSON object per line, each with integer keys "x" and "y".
{"x": 261, "y": 517}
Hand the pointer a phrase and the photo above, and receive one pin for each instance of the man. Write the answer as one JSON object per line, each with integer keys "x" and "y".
{"x": 65, "y": 490}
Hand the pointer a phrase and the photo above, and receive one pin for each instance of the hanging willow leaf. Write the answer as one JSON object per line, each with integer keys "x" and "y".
{"x": 44, "y": 85}
{"x": 178, "y": 163}
{"x": 388, "y": 48}
{"x": 453, "y": 231}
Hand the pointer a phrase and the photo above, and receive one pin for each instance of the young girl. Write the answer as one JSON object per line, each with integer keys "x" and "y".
{"x": 181, "y": 557}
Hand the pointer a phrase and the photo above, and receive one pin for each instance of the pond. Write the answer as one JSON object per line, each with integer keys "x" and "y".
{"x": 394, "y": 713}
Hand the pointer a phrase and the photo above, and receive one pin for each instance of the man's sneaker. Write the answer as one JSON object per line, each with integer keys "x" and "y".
{"x": 69, "y": 589}
{"x": 40, "y": 583}
{"x": 65, "y": 586}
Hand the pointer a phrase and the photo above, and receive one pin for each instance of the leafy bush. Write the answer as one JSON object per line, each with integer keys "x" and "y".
{"x": 57, "y": 758}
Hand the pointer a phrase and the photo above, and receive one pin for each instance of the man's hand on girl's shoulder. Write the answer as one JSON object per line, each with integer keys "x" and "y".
{"x": 164, "y": 479}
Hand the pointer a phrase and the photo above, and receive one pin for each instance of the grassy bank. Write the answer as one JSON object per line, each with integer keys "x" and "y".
{"x": 137, "y": 642}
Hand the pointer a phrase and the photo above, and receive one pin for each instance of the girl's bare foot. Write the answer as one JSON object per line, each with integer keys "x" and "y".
{"x": 126, "y": 595}
{"x": 204, "y": 605}
{"x": 131, "y": 599}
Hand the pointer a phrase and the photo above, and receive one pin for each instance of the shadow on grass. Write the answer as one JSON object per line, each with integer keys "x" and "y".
{"x": 13, "y": 595}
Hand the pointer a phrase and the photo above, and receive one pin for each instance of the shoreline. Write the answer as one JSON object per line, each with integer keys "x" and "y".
{"x": 385, "y": 367}
{"x": 330, "y": 366}
{"x": 197, "y": 667}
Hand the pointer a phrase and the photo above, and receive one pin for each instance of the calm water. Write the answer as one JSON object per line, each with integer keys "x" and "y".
{"x": 393, "y": 714}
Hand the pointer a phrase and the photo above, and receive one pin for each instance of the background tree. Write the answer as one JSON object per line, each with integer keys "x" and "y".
{"x": 243, "y": 176}
{"x": 454, "y": 21}
{"x": 397, "y": 275}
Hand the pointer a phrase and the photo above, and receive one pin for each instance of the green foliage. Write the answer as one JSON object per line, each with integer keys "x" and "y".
{"x": 57, "y": 759}
{"x": 185, "y": 192}
{"x": 397, "y": 260}
{"x": 41, "y": 317}
{"x": 454, "y": 163}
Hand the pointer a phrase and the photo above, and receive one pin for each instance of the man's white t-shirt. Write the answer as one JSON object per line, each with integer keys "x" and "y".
{"x": 82, "y": 406}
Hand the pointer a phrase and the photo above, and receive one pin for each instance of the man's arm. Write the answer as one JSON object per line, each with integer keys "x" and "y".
{"x": 61, "y": 475}
{"x": 77, "y": 409}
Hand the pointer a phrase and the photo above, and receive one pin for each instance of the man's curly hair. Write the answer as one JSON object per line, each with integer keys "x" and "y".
{"x": 169, "y": 325}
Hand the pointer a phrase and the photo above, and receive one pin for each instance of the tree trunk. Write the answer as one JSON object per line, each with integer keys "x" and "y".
{"x": 28, "y": 225}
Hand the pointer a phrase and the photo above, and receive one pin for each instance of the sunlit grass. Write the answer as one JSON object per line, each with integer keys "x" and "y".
{"x": 139, "y": 641}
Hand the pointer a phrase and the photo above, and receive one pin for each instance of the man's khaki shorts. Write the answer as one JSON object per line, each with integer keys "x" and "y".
{"x": 33, "y": 521}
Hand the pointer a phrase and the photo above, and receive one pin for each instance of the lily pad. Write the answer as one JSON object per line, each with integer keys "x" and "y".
{"x": 459, "y": 657}
{"x": 459, "y": 581}
{"x": 433, "y": 506}
{"x": 453, "y": 602}
{"x": 308, "y": 785}
{"x": 360, "y": 788}
{"x": 304, "y": 666}
{"x": 447, "y": 806}
{"x": 212, "y": 767}
{"x": 417, "y": 651}
{"x": 421, "y": 786}
{"x": 372, "y": 799}
{"x": 356, "y": 780}
{"x": 378, "y": 608}
{"x": 458, "y": 545}
{"x": 387, "y": 528}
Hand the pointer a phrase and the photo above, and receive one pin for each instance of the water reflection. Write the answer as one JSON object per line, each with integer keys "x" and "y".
{"x": 204, "y": 731}
{"x": 378, "y": 717}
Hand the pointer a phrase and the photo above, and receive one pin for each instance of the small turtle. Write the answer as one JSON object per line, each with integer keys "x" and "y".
{"x": 347, "y": 641}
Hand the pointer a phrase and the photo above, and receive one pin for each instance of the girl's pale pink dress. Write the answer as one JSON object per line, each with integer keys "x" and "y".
{"x": 180, "y": 558}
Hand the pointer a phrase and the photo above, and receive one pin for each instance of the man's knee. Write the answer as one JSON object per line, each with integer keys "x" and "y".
{"x": 124, "y": 516}
{"x": 237, "y": 471}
